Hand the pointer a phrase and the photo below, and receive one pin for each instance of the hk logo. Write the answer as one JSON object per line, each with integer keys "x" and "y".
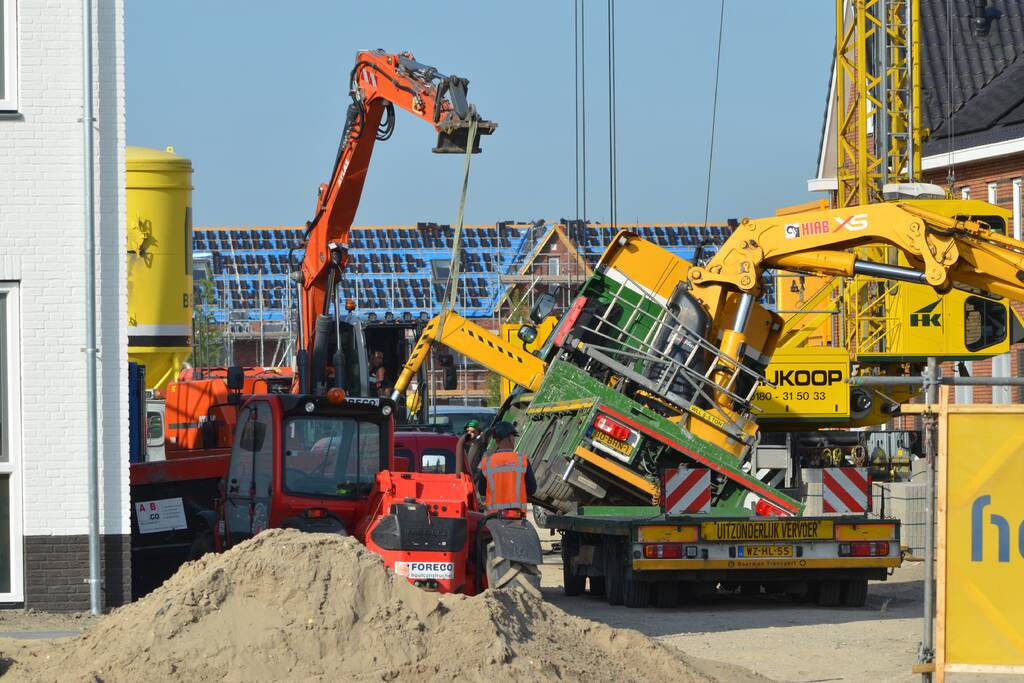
{"x": 1002, "y": 532}
{"x": 923, "y": 317}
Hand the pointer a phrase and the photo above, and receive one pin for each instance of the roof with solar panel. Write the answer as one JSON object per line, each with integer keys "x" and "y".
{"x": 402, "y": 269}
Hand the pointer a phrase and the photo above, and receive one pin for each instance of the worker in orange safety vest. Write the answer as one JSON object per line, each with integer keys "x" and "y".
{"x": 505, "y": 478}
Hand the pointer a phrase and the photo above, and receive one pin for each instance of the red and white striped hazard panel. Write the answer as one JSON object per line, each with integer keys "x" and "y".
{"x": 845, "y": 489}
{"x": 369, "y": 77}
{"x": 686, "y": 490}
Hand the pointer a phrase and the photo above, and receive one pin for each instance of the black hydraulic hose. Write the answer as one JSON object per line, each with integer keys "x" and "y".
{"x": 353, "y": 121}
{"x": 395, "y": 82}
{"x": 298, "y": 284}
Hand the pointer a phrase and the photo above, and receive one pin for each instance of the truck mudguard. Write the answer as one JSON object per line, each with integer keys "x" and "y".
{"x": 515, "y": 541}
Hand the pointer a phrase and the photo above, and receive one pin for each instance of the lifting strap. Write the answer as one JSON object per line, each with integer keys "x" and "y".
{"x": 452, "y": 286}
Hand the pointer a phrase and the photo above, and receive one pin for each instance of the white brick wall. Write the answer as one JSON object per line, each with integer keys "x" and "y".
{"x": 42, "y": 238}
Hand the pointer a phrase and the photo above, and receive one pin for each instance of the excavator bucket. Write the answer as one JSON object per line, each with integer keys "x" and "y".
{"x": 455, "y": 140}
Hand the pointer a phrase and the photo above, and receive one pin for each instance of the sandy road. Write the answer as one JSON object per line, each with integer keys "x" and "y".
{"x": 776, "y": 638}
{"x": 734, "y": 639}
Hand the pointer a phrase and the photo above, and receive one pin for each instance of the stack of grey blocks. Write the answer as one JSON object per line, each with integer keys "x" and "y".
{"x": 902, "y": 500}
{"x": 905, "y": 501}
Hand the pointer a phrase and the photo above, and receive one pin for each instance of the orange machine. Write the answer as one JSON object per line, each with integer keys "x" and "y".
{"x": 324, "y": 416}
{"x": 201, "y": 409}
{"x": 379, "y": 82}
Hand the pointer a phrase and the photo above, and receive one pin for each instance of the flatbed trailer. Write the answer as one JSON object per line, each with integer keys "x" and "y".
{"x": 639, "y": 555}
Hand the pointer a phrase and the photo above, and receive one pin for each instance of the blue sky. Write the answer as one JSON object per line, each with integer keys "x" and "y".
{"x": 255, "y": 94}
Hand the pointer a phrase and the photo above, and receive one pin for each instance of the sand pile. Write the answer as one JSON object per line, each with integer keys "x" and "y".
{"x": 289, "y": 606}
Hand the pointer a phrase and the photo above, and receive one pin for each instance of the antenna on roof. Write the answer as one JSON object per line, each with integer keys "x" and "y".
{"x": 981, "y": 17}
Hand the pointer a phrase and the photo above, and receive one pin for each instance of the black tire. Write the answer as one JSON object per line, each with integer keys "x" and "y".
{"x": 502, "y": 573}
{"x": 526, "y": 581}
{"x": 750, "y": 590}
{"x": 597, "y": 585}
{"x": 666, "y": 594}
{"x": 572, "y": 584}
{"x": 614, "y": 573}
{"x": 829, "y": 593}
{"x": 637, "y": 593}
{"x": 855, "y": 592}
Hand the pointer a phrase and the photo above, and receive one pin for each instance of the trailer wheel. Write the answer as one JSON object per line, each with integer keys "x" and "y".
{"x": 855, "y": 592}
{"x": 572, "y": 584}
{"x": 597, "y": 585}
{"x": 614, "y": 573}
{"x": 828, "y": 593}
{"x": 666, "y": 594}
{"x": 636, "y": 593}
{"x": 750, "y": 590}
{"x": 502, "y": 573}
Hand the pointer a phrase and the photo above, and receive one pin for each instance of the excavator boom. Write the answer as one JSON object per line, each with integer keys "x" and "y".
{"x": 378, "y": 83}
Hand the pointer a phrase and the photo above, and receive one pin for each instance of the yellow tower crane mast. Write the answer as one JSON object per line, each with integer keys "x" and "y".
{"x": 878, "y": 97}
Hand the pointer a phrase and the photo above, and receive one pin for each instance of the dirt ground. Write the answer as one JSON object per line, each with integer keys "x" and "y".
{"x": 729, "y": 638}
{"x": 775, "y": 637}
{"x": 16, "y": 623}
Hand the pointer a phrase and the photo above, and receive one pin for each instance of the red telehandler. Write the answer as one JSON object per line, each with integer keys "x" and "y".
{"x": 320, "y": 457}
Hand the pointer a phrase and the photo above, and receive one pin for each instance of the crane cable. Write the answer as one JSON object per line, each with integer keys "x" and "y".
{"x": 714, "y": 112}
{"x": 698, "y": 256}
{"x": 576, "y": 101}
{"x": 950, "y": 165}
{"x": 451, "y": 289}
{"x": 613, "y": 184}
{"x": 583, "y": 102}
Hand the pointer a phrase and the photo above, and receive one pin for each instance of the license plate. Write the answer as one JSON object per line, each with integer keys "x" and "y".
{"x": 764, "y": 551}
{"x": 614, "y": 444}
{"x": 782, "y": 530}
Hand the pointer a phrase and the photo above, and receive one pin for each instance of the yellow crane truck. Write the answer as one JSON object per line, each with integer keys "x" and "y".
{"x": 650, "y": 378}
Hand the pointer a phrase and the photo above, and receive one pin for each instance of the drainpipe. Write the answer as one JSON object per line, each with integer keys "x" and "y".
{"x": 90, "y": 312}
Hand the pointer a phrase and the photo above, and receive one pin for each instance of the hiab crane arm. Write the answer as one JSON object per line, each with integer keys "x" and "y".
{"x": 378, "y": 83}
{"x": 942, "y": 252}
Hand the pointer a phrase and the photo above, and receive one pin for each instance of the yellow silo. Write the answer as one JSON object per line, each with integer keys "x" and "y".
{"x": 159, "y": 185}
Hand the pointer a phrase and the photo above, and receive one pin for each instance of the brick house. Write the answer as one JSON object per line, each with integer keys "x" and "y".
{"x": 972, "y": 98}
{"x": 43, "y": 473}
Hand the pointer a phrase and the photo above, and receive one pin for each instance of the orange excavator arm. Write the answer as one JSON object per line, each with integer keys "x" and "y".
{"x": 379, "y": 82}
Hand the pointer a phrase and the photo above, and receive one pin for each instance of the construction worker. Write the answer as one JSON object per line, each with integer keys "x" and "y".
{"x": 464, "y": 448}
{"x": 378, "y": 374}
{"x": 505, "y": 477}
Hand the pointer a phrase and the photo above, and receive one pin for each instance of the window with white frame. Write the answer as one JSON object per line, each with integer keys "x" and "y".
{"x": 8, "y": 56}
{"x": 11, "y": 589}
